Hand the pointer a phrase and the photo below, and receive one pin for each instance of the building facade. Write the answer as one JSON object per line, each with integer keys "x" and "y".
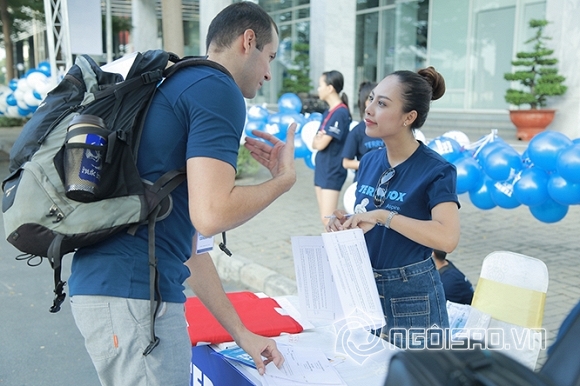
{"x": 471, "y": 42}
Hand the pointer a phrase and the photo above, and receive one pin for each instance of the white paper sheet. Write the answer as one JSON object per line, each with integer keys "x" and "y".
{"x": 302, "y": 367}
{"x": 335, "y": 280}
{"x": 318, "y": 296}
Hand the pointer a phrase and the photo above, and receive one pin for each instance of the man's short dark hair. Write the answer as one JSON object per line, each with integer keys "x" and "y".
{"x": 236, "y": 18}
{"x": 439, "y": 255}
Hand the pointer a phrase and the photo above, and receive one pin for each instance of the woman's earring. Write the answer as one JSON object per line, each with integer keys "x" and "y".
{"x": 405, "y": 124}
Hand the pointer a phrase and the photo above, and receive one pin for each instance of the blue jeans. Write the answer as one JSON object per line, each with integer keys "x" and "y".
{"x": 413, "y": 303}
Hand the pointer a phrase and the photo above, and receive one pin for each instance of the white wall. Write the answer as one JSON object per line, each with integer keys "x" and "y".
{"x": 565, "y": 33}
{"x": 208, "y": 9}
{"x": 332, "y": 41}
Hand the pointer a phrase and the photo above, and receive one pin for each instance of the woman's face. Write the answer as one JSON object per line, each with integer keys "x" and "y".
{"x": 324, "y": 90}
{"x": 384, "y": 113}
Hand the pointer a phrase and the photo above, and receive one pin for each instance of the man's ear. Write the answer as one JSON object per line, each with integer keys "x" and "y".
{"x": 249, "y": 40}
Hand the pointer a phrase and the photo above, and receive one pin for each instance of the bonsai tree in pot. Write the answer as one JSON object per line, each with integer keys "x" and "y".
{"x": 539, "y": 79}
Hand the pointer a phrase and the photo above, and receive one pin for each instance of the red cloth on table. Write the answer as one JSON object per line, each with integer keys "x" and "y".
{"x": 259, "y": 315}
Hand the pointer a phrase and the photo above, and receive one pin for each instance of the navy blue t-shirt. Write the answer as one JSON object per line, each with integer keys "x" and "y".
{"x": 458, "y": 288}
{"x": 328, "y": 170}
{"x": 420, "y": 183}
{"x": 358, "y": 143}
{"x": 198, "y": 112}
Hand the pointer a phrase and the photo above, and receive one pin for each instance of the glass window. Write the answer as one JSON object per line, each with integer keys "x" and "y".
{"x": 448, "y": 48}
{"x": 366, "y": 4}
{"x": 493, "y": 44}
{"x": 367, "y": 31}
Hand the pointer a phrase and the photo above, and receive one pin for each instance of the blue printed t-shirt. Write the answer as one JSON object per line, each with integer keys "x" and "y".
{"x": 420, "y": 183}
{"x": 198, "y": 112}
{"x": 458, "y": 288}
{"x": 328, "y": 170}
{"x": 358, "y": 143}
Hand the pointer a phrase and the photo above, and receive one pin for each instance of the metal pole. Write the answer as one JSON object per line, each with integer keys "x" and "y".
{"x": 109, "y": 27}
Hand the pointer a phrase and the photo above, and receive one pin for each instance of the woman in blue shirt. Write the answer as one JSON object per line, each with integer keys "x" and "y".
{"x": 406, "y": 203}
{"x": 329, "y": 175}
{"x": 357, "y": 141}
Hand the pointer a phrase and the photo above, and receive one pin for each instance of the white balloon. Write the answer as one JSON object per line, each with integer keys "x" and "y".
{"x": 30, "y": 99}
{"x": 20, "y": 102}
{"x": 44, "y": 88}
{"x": 308, "y": 133}
{"x": 349, "y": 198}
{"x": 22, "y": 85}
{"x": 459, "y": 136}
{"x": 419, "y": 136}
{"x": 12, "y": 112}
{"x": 3, "y": 104}
{"x": 36, "y": 78}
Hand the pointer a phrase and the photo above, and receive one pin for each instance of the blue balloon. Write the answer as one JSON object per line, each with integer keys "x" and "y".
{"x": 315, "y": 116}
{"x": 44, "y": 67}
{"x": 469, "y": 174}
{"x": 502, "y": 193}
{"x": 447, "y": 148}
{"x": 278, "y": 123}
{"x": 545, "y": 147}
{"x": 481, "y": 196}
{"x": 23, "y": 112}
{"x": 310, "y": 161}
{"x": 11, "y": 100}
{"x": 289, "y": 103}
{"x": 253, "y": 125}
{"x": 300, "y": 148}
{"x": 576, "y": 140}
{"x": 531, "y": 189}
{"x": 502, "y": 163}
{"x": 562, "y": 191}
{"x": 568, "y": 163}
{"x": 549, "y": 212}
{"x": 13, "y": 84}
{"x": 258, "y": 113}
{"x": 482, "y": 152}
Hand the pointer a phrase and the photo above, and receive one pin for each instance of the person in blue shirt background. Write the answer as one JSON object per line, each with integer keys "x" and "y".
{"x": 458, "y": 288}
{"x": 357, "y": 142}
{"x": 329, "y": 175}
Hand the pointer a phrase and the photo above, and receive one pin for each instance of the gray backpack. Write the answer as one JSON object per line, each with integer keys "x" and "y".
{"x": 73, "y": 178}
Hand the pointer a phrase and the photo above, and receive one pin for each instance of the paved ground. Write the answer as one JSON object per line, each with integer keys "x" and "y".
{"x": 263, "y": 260}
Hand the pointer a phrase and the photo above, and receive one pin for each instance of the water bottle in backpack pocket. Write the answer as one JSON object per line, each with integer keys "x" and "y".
{"x": 84, "y": 155}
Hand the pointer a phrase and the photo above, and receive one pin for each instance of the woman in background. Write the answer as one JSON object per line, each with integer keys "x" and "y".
{"x": 329, "y": 175}
{"x": 406, "y": 203}
{"x": 357, "y": 142}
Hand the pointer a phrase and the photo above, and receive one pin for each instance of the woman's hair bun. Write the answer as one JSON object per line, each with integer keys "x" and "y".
{"x": 436, "y": 81}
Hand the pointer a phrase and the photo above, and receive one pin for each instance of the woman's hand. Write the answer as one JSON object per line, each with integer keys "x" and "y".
{"x": 366, "y": 221}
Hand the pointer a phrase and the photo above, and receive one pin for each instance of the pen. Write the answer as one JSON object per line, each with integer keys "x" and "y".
{"x": 348, "y": 215}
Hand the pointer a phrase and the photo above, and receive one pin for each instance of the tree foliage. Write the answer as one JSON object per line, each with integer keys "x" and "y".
{"x": 538, "y": 77}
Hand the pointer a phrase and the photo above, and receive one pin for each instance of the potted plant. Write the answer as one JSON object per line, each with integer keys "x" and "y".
{"x": 538, "y": 79}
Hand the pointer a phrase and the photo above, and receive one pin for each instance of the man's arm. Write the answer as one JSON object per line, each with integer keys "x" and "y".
{"x": 205, "y": 282}
{"x": 216, "y": 204}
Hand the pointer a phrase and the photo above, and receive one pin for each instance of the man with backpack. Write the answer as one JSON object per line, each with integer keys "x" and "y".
{"x": 196, "y": 120}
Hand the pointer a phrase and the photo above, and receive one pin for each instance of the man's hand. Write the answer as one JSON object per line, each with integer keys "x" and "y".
{"x": 278, "y": 157}
{"x": 257, "y": 347}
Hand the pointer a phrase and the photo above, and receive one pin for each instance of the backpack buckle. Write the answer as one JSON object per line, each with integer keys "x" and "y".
{"x": 151, "y": 76}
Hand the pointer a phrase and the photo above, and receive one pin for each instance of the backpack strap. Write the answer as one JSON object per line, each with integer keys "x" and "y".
{"x": 194, "y": 61}
{"x": 153, "y": 281}
{"x": 54, "y": 256}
